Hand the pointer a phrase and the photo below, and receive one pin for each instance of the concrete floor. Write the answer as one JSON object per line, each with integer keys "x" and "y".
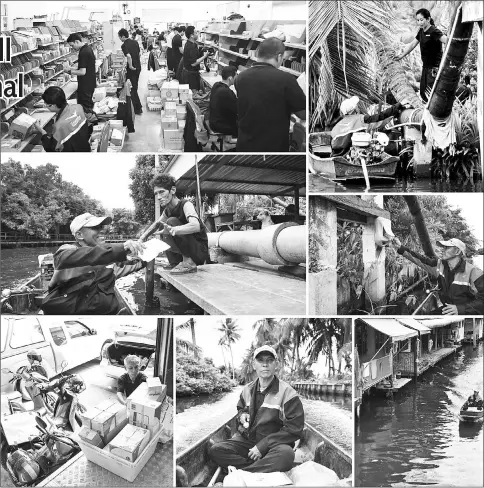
{"x": 146, "y": 137}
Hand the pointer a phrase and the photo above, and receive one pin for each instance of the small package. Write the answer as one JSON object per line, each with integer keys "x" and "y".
{"x": 169, "y": 123}
{"x": 91, "y": 437}
{"x": 21, "y": 127}
{"x": 169, "y": 90}
{"x": 184, "y": 89}
{"x": 144, "y": 406}
{"x": 114, "y": 432}
{"x": 88, "y": 416}
{"x": 181, "y": 112}
{"x": 117, "y": 137}
{"x": 154, "y": 386}
{"x": 103, "y": 422}
{"x": 129, "y": 443}
{"x": 170, "y": 109}
{"x": 99, "y": 94}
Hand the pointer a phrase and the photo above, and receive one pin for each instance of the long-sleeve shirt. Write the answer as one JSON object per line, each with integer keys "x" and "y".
{"x": 462, "y": 286}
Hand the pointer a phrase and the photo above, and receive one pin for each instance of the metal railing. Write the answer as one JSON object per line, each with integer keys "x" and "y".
{"x": 19, "y": 237}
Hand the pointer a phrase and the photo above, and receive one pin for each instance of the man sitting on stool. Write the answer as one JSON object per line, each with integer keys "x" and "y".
{"x": 183, "y": 230}
{"x": 223, "y": 104}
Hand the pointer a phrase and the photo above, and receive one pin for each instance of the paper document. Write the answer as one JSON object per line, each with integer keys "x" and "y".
{"x": 153, "y": 247}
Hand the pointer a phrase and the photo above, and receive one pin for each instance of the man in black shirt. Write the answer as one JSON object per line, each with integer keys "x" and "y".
{"x": 431, "y": 42}
{"x": 192, "y": 60}
{"x": 129, "y": 381}
{"x": 177, "y": 48}
{"x": 133, "y": 69}
{"x": 266, "y": 98}
{"x": 223, "y": 104}
{"x": 85, "y": 72}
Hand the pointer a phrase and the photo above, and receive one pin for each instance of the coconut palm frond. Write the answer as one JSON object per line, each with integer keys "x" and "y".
{"x": 185, "y": 326}
{"x": 188, "y": 346}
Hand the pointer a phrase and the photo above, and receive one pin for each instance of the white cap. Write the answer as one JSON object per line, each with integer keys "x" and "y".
{"x": 453, "y": 243}
{"x": 88, "y": 220}
{"x": 349, "y": 105}
{"x": 268, "y": 349}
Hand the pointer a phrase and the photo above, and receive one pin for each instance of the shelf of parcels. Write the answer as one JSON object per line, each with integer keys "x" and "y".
{"x": 296, "y": 45}
{"x": 244, "y": 56}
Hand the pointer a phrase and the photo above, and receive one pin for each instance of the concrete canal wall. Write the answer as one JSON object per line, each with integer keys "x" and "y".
{"x": 320, "y": 388}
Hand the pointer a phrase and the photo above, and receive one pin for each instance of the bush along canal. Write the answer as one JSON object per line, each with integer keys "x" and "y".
{"x": 416, "y": 437}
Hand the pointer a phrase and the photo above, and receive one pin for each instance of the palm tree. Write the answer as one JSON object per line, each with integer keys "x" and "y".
{"x": 247, "y": 372}
{"x": 222, "y": 343}
{"x": 230, "y": 331}
{"x": 187, "y": 345}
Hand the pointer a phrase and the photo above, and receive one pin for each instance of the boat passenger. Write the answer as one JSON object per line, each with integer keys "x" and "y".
{"x": 474, "y": 400}
{"x": 183, "y": 231}
{"x": 431, "y": 42}
{"x": 85, "y": 272}
{"x": 129, "y": 381}
{"x": 271, "y": 418}
{"x": 354, "y": 121}
{"x": 461, "y": 283}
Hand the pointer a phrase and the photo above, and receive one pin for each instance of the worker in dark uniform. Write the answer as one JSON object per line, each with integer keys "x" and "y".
{"x": 131, "y": 50}
{"x": 461, "y": 283}
{"x": 267, "y": 96}
{"x": 85, "y": 272}
{"x": 431, "y": 42}
{"x": 85, "y": 72}
{"x": 177, "y": 48}
{"x": 192, "y": 60}
{"x": 183, "y": 231}
{"x": 270, "y": 420}
{"x": 223, "y": 104}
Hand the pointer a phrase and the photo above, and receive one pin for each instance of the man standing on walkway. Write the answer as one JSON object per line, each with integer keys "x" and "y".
{"x": 266, "y": 98}
{"x": 192, "y": 59}
{"x": 271, "y": 419}
{"x": 133, "y": 68}
{"x": 85, "y": 72}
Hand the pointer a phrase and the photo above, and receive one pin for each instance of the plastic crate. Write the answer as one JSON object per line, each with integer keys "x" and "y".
{"x": 127, "y": 470}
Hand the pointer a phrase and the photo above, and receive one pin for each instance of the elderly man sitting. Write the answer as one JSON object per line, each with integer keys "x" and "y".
{"x": 354, "y": 121}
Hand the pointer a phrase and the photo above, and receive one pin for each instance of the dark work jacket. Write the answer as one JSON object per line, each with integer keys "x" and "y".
{"x": 344, "y": 129}
{"x": 84, "y": 273}
{"x": 463, "y": 286}
{"x": 223, "y": 109}
{"x": 279, "y": 420}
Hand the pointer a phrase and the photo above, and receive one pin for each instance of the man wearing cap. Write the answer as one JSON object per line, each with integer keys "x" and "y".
{"x": 270, "y": 420}
{"x": 354, "y": 121}
{"x": 473, "y": 401}
{"x": 85, "y": 272}
{"x": 460, "y": 282}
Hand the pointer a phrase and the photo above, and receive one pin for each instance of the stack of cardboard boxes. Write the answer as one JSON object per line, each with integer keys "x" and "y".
{"x": 174, "y": 97}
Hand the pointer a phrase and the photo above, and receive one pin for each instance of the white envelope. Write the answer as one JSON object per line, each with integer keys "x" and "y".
{"x": 153, "y": 247}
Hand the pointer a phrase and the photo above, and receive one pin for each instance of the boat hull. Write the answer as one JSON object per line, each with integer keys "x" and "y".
{"x": 197, "y": 469}
{"x": 472, "y": 414}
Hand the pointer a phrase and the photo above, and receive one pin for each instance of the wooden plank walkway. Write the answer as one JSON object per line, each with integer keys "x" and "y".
{"x": 229, "y": 290}
{"x": 398, "y": 383}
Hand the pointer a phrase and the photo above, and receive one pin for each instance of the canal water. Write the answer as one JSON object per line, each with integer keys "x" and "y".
{"x": 197, "y": 416}
{"x": 320, "y": 184}
{"x": 416, "y": 438}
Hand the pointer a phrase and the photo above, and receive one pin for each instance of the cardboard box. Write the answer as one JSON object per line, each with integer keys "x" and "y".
{"x": 88, "y": 416}
{"x": 103, "y": 422}
{"x": 129, "y": 443}
{"x": 116, "y": 137}
{"x": 21, "y": 127}
{"x": 155, "y": 386}
{"x": 114, "y": 432}
{"x": 99, "y": 94}
{"x": 146, "y": 407}
{"x": 169, "y": 123}
{"x": 170, "y": 109}
{"x": 154, "y": 93}
{"x": 170, "y": 136}
{"x": 169, "y": 90}
{"x": 119, "y": 411}
{"x": 91, "y": 437}
{"x": 184, "y": 89}
{"x": 152, "y": 427}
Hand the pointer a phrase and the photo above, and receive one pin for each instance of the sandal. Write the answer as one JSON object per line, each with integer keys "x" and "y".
{"x": 184, "y": 268}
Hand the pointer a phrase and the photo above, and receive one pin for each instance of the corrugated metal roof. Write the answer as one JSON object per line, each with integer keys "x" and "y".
{"x": 243, "y": 174}
{"x": 415, "y": 324}
{"x": 391, "y": 327}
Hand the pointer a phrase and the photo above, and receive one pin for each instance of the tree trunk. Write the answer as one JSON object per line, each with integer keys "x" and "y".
{"x": 194, "y": 341}
{"x": 232, "y": 357}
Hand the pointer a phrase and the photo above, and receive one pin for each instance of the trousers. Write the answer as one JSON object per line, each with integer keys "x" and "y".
{"x": 234, "y": 452}
{"x": 186, "y": 245}
{"x": 427, "y": 81}
{"x": 133, "y": 76}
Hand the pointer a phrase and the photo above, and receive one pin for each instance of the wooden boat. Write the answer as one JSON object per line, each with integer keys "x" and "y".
{"x": 193, "y": 467}
{"x": 472, "y": 414}
{"x": 28, "y": 298}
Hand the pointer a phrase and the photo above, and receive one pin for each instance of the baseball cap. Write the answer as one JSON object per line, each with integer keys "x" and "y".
{"x": 453, "y": 243}
{"x": 349, "y": 104}
{"x": 88, "y": 220}
{"x": 268, "y": 349}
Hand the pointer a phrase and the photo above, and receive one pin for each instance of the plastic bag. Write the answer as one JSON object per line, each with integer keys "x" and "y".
{"x": 234, "y": 478}
{"x": 313, "y": 474}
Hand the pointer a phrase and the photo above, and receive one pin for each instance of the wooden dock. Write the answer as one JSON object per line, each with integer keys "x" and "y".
{"x": 431, "y": 359}
{"x": 232, "y": 290}
{"x": 398, "y": 384}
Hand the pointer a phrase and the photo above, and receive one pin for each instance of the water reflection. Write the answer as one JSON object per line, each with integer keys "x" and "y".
{"x": 322, "y": 184}
{"x": 417, "y": 437}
